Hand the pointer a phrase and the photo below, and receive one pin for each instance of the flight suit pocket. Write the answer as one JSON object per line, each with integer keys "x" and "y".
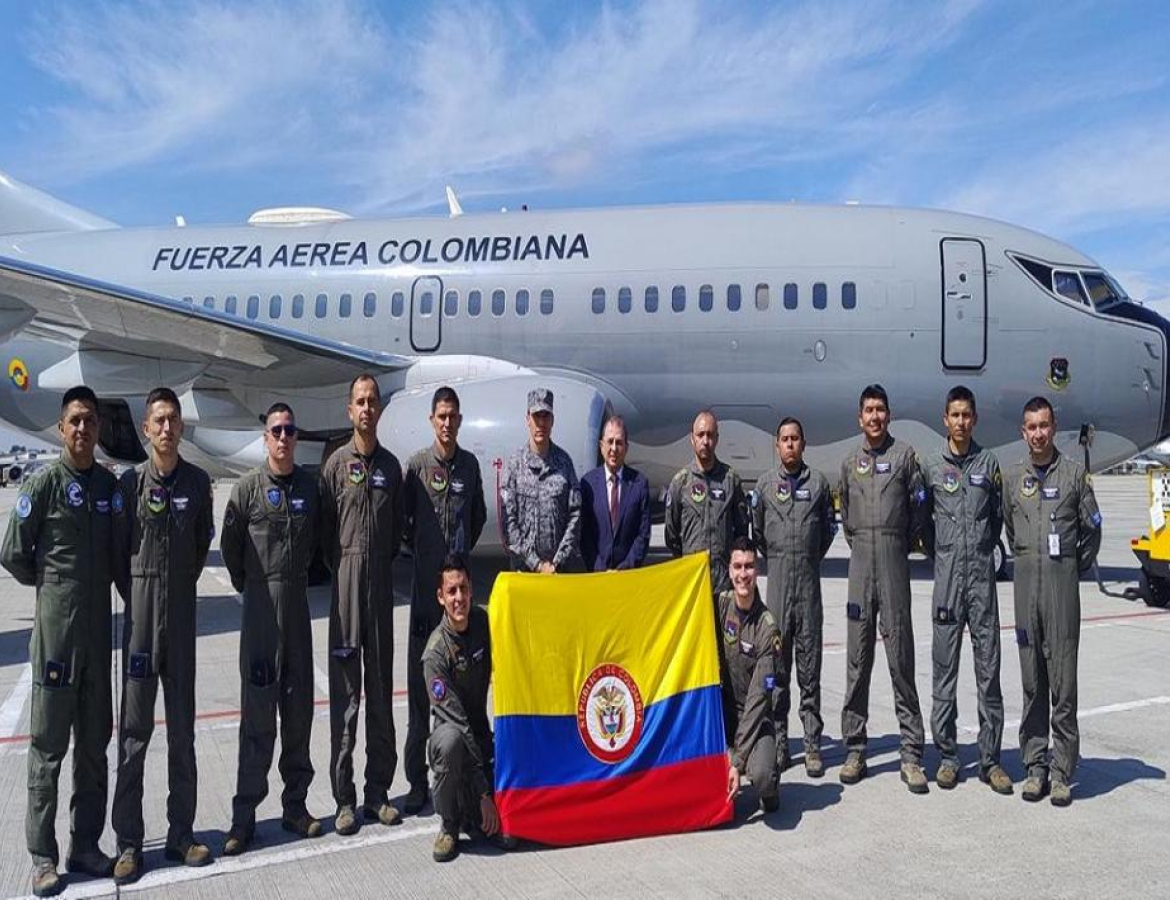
{"x": 261, "y": 672}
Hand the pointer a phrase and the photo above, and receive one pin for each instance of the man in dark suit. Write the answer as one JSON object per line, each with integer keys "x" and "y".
{"x": 615, "y": 507}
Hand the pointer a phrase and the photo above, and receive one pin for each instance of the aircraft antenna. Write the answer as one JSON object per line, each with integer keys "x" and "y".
{"x": 453, "y": 203}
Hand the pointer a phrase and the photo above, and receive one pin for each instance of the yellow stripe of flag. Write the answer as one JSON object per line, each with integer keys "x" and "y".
{"x": 658, "y": 623}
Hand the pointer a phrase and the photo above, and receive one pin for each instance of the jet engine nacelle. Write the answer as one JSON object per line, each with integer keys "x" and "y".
{"x": 494, "y": 427}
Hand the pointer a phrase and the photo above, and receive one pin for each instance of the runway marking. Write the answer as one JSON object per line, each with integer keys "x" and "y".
{"x": 13, "y": 708}
{"x": 1090, "y": 713}
{"x": 254, "y": 859}
{"x": 321, "y": 680}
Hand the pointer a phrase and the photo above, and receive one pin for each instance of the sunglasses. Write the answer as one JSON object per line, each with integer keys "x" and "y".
{"x": 278, "y": 431}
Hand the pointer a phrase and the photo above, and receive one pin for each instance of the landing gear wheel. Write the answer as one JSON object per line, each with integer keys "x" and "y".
{"x": 999, "y": 558}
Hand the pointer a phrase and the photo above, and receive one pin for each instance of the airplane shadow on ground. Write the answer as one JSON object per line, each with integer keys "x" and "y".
{"x": 14, "y": 646}
{"x": 1097, "y": 776}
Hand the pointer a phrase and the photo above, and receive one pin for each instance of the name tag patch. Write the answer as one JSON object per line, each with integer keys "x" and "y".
{"x": 978, "y": 479}
{"x": 803, "y": 494}
{"x": 102, "y": 506}
{"x": 457, "y": 486}
{"x": 297, "y": 504}
{"x": 882, "y": 468}
{"x": 181, "y": 503}
{"x": 1050, "y": 493}
{"x": 717, "y": 493}
{"x": 378, "y": 479}
{"x": 745, "y": 647}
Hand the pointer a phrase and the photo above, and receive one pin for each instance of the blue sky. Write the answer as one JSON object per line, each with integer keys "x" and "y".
{"x": 1050, "y": 115}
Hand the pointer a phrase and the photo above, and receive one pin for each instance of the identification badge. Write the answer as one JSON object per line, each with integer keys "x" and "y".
{"x": 1050, "y": 493}
{"x": 457, "y": 486}
{"x": 882, "y": 468}
{"x": 978, "y": 479}
{"x": 1054, "y": 545}
{"x": 181, "y": 503}
{"x": 297, "y": 504}
{"x": 378, "y": 479}
{"x": 803, "y": 494}
{"x": 717, "y": 493}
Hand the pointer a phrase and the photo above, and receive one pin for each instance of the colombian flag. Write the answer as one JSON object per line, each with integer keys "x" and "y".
{"x": 608, "y": 716}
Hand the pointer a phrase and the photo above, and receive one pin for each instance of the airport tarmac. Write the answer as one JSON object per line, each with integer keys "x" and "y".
{"x": 870, "y": 840}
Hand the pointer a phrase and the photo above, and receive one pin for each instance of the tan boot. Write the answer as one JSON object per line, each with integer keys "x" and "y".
{"x": 128, "y": 868}
{"x": 915, "y": 778}
{"x": 814, "y": 766}
{"x": 382, "y": 812}
{"x": 237, "y": 841}
{"x": 854, "y": 769}
{"x": 947, "y": 776}
{"x": 345, "y": 822}
{"x": 1059, "y": 794}
{"x": 304, "y": 825}
{"x": 446, "y": 847}
{"x": 998, "y": 779}
{"x": 1035, "y": 787}
{"x": 46, "y": 881}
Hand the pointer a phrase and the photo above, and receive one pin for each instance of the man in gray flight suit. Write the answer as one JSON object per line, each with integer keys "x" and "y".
{"x": 168, "y": 513}
{"x": 444, "y": 514}
{"x": 269, "y": 533}
{"x": 61, "y": 538}
{"x": 882, "y": 504}
{"x": 1054, "y": 528}
{"x": 793, "y": 527}
{"x": 457, "y": 666}
{"x": 748, "y": 649}
{"x": 705, "y": 504}
{"x": 361, "y": 528}
{"x": 962, "y": 530}
{"x": 541, "y": 498}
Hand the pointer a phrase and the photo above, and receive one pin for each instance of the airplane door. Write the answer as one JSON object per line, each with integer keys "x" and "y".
{"x": 964, "y": 304}
{"x": 426, "y": 315}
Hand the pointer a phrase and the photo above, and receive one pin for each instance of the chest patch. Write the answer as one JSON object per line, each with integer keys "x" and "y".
{"x": 23, "y": 506}
{"x": 803, "y": 494}
{"x": 698, "y": 492}
{"x": 378, "y": 479}
{"x": 437, "y": 479}
{"x": 102, "y": 506}
{"x": 1029, "y": 486}
{"x": 977, "y": 479}
{"x": 1050, "y": 493}
{"x": 782, "y": 492}
{"x": 356, "y": 472}
{"x": 156, "y": 500}
{"x": 74, "y": 494}
{"x": 117, "y": 503}
{"x": 717, "y": 493}
{"x": 297, "y": 504}
{"x": 950, "y": 481}
{"x": 745, "y": 647}
{"x": 457, "y": 486}
{"x": 181, "y": 503}
{"x": 863, "y": 465}
{"x": 273, "y": 496}
{"x": 882, "y": 468}
{"x": 730, "y": 630}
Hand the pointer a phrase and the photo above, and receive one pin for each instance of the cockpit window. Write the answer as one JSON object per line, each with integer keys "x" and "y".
{"x": 1101, "y": 289}
{"x": 1068, "y": 285}
{"x": 1037, "y": 270}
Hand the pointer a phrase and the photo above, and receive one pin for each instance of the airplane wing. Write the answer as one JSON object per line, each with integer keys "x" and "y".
{"x": 241, "y": 350}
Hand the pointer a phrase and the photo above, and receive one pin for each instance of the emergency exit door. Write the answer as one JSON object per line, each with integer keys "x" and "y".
{"x": 964, "y": 304}
{"x": 426, "y": 314}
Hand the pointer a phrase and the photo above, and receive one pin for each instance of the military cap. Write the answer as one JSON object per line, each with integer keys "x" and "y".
{"x": 540, "y": 400}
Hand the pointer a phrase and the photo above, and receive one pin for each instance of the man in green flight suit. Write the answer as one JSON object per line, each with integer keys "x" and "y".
{"x": 61, "y": 539}
{"x": 269, "y": 531}
{"x": 161, "y": 552}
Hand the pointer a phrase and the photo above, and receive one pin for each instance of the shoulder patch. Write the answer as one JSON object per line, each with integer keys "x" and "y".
{"x": 1096, "y": 519}
{"x": 23, "y": 506}
{"x": 439, "y": 689}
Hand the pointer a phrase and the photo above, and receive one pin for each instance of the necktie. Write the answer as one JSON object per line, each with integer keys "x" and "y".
{"x": 613, "y": 502}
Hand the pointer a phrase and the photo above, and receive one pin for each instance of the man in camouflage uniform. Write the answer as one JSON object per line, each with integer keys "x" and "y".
{"x": 269, "y": 533}
{"x": 963, "y": 524}
{"x": 793, "y": 527}
{"x": 361, "y": 528}
{"x": 748, "y": 646}
{"x": 705, "y": 504}
{"x": 1054, "y": 528}
{"x": 170, "y": 525}
{"x": 60, "y": 538}
{"x": 541, "y": 497}
{"x": 882, "y": 503}
{"x": 444, "y": 514}
{"x": 457, "y": 666}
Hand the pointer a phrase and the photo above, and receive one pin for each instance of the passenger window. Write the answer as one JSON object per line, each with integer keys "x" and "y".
{"x": 451, "y": 304}
{"x": 497, "y": 303}
{"x": 345, "y": 305}
{"x": 651, "y": 299}
{"x": 298, "y": 309}
{"x": 678, "y": 298}
{"x": 1068, "y": 285}
{"x": 253, "y": 306}
{"x": 426, "y": 304}
{"x": 706, "y": 298}
{"x": 229, "y": 304}
{"x": 820, "y": 295}
{"x": 209, "y": 302}
{"x": 849, "y": 295}
{"x": 322, "y": 305}
{"x": 397, "y": 304}
{"x": 763, "y": 296}
{"x": 274, "y": 306}
{"x": 598, "y": 300}
{"x": 546, "y": 302}
{"x": 734, "y": 297}
{"x": 625, "y": 300}
{"x": 370, "y": 305}
{"x": 474, "y": 303}
{"x": 522, "y": 303}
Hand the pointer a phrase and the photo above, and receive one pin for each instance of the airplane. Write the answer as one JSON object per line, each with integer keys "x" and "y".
{"x": 755, "y": 311}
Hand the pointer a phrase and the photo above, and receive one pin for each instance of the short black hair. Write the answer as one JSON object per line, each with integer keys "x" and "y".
{"x": 364, "y": 376}
{"x": 960, "y": 393}
{"x": 743, "y": 545}
{"x": 164, "y": 395}
{"x": 618, "y": 422}
{"x": 453, "y": 562}
{"x": 874, "y": 392}
{"x": 279, "y": 407}
{"x": 789, "y": 420}
{"x": 444, "y": 395}
{"x": 1038, "y": 404}
{"x": 79, "y": 394}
